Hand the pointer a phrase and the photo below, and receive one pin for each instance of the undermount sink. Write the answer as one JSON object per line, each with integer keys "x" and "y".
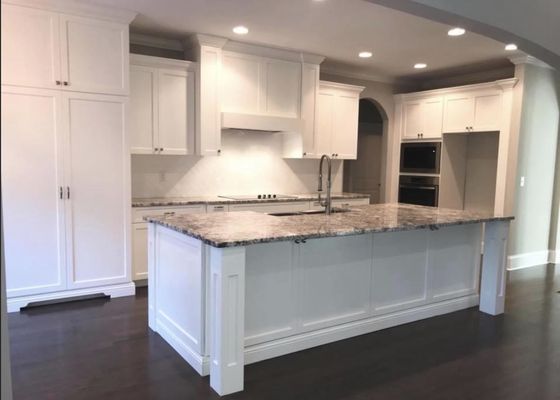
{"x": 307, "y": 212}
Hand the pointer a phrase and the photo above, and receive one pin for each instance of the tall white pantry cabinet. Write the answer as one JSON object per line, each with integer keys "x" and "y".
{"x": 65, "y": 152}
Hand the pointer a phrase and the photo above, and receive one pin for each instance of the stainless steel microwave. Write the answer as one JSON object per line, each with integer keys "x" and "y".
{"x": 421, "y": 157}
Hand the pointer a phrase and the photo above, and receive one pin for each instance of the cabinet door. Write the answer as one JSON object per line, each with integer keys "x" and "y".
{"x": 412, "y": 119}
{"x": 241, "y": 87}
{"x": 94, "y": 55}
{"x": 33, "y": 212}
{"x": 282, "y": 88}
{"x": 458, "y": 113}
{"x": 344, "y": 139}
{"x": 176, "y": 112}
{"x": 139, "y": 251}
{"x": 143, "y": 109}
{"x": 432, "y": 118}
{"x": 30, "y": 47}
{"x": 335, "y": 280}
{"x": 324, "y": 122}
{"x": 208, "y": 119}
{"x": 98, "y": 221}
{"x": 310, "y": 87}
{"x": 487, "y": 111}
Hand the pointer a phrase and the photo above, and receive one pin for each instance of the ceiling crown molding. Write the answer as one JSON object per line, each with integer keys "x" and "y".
{"x": 365, "y": 76}
{"x": 81, "y": 9}
{"x": 200, "y": 39}
{"x": 527, "y": 59}
{"x": 157, "y": 42}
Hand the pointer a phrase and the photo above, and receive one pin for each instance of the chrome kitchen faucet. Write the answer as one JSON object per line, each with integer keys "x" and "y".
{"x": 327, "y": 202}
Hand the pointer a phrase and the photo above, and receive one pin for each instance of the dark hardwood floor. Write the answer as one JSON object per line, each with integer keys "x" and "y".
{"x": 102, "y": 349}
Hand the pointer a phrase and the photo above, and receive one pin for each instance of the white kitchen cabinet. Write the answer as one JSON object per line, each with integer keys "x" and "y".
{"x": 289, "y": 206}
{"x": 34, "y": 58}
{"x": 60, "y": 50}
{"x": 478, "y": 111}
{"x": 76, "y": 200}
{"x": 97, "y": 192}
{"x": 94, "y": 55}
{"x": 336, "y": 125}
{"x": 32, "y": 181}
{"x": 422, "y": 118}
{"x": 162, "y": 106}
{"x": 260, "y": 86}
{"x": 140, "y": 234}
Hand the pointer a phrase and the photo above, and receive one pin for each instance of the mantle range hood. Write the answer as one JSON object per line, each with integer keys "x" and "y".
{"x": 265, "y": 123}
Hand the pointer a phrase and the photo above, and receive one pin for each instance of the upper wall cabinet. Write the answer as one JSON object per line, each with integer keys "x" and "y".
{"x": 260, "y": 85}
{"x": 422, "y": 118}
{"x": 161, "y": 106}
{"x": 336, "y": 123}
{"x": 57, "y": 50}
{"x": 479, "y": 111}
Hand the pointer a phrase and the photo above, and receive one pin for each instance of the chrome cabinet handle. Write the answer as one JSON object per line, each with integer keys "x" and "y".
{"x": 167, "y": 213}
{"x": 67, "y": 192}
{"x": 58, "y": 82}
{"x": 65, "y": 83}
{"x": 61, "y": 192}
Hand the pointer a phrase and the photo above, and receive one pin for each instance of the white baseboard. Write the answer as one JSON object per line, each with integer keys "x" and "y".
{"x": 319, "y": 337}
{"x": 554, "y": 256}
{"x": 200, "y": 363}
{"x": 526, "y": 260}
{"x": 124, "y": 289}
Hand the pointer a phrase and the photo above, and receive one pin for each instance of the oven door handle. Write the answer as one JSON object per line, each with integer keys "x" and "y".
{"x": 418, "y": 187}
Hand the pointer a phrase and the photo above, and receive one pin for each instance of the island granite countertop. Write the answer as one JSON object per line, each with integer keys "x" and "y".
{"x": 246, "y": 228}
{"x": 194, "y": 200}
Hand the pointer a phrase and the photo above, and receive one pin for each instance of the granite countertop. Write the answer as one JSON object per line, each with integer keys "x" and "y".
{"x": 185, "y": 201}
{"x": 246, "y": 228}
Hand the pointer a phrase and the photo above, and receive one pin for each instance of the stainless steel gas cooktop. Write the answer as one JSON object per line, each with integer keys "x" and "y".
{"x": 266, "y": 196}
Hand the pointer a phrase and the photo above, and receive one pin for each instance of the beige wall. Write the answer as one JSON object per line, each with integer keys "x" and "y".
{"x": 554, "y": 243}
{"x": 536, "y": 159}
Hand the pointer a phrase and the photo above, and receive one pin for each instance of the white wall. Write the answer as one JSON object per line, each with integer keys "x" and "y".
{"x": 6, "y": 366}
{"x": 251, "y": 163}
{"x": 536, "y": 161}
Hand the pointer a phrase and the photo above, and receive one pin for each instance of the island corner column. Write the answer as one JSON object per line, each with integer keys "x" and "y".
{"x": 493, "y": 281}
{"x": 227, "y": 319}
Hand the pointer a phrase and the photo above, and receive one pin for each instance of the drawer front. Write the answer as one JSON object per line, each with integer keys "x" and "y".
{"x": 210, "y": 208}
{"x": 271, "y": 207}
{"x": 139, "y": 213}
{"x": 342, "y": 203}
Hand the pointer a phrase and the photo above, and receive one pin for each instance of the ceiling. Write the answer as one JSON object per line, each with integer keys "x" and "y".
{"x": 336, "y": 29}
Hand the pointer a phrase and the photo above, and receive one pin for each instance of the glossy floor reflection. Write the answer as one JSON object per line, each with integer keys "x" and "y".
{"x": 101, "y": 349}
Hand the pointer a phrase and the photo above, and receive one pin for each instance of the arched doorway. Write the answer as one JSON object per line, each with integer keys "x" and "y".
{"x": 366, "y": 173}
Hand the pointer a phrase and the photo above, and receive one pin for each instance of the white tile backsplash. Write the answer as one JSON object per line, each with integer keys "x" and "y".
{"x": 251, "y": 163}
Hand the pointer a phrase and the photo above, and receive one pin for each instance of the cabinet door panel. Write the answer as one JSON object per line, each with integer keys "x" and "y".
{"x": 139, "y": 251}
{"x": 412, "y": 119}
{"x": 324, "y": 122}
{"x": 241, "y": 89}
{"x": 270, "y": 292}
{"x": 399, "y": 270}
{"x": 344, "y": 140}
{"x": 454, "y": 259}
{"x": 458, "y": 113}
{"x": 98, "y": 224}
{"x": 143, "y": 109}
{"x": 432, "y": 118}
{"x": 33, "y": 213}
{"x": 174, "y": 120}
{"x": 336, "y": 276}
{"x": 30, "y": 47}
{"x": 487, "y": 112}
{"x": 94, "y": 55}
{"x": 283, "y": 88}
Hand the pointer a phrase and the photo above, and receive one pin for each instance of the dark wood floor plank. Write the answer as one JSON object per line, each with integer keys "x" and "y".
{"x": 103, "y": 349}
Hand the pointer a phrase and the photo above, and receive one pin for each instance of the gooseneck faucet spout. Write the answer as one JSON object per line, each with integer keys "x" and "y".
{"x": 327, "y": 202}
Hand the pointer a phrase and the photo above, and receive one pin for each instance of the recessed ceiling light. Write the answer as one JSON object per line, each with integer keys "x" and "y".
{"x": 241, "y": 30}
{"x": 511, "y": 47}
{"x": 456, "y": 32}
{"x": 365, "y": 54}
{"x": 420, "y": 65}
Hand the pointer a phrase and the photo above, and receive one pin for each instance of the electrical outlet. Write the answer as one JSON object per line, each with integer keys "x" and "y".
{"x": 522, "y": 181}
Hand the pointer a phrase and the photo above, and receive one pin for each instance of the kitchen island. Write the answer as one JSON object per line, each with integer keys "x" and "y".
{"x": 230, "y": 289}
